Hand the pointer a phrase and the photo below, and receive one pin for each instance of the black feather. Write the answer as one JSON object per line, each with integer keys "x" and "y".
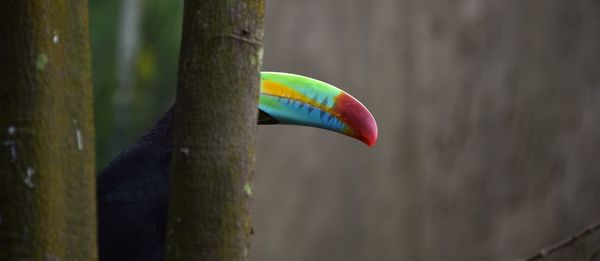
{"x": 133, "y": 193}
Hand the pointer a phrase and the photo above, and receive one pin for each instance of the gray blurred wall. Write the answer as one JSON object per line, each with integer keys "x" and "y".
{"x": 489, "y": 123}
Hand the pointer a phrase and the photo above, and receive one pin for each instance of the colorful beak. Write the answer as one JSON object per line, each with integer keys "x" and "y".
{"x": 298, "y": 100}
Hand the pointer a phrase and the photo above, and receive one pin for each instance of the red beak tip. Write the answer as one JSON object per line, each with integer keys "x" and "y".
{"x": 360, "y": 120}
{"x": 370, "y": 136}
{"x": 372, "y": 144}
{"x": 371, "y": 141}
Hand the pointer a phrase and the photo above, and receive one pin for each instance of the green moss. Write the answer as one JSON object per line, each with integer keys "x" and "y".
{"x": 248, "y": 189}
{"x": 41, "y": 61}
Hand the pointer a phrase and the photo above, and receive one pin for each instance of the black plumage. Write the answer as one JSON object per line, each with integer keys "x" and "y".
{"x": 133, "y": 196}
{"x": 133, "y": 192}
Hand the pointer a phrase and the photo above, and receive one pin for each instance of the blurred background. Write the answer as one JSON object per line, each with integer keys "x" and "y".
{"x": 488, "y": 113}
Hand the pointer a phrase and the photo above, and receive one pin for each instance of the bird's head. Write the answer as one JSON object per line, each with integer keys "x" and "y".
{"x": 298, "y": 100}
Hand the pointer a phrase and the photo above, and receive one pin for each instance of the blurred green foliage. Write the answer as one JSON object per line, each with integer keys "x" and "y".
{"x": 155, "y": 68}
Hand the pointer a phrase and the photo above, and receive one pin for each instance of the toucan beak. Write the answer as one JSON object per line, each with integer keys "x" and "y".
{"x": 298, "y": 100}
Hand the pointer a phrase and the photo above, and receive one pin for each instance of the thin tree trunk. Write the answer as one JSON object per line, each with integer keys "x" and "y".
{"x": 47, "y": 188}
{"x": 127, "y": 52}
{"x": 215, "y": 129}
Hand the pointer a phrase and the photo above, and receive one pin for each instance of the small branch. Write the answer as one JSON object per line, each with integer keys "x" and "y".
{"x": 595, "y": 255}
{"x": 565, "y": 243}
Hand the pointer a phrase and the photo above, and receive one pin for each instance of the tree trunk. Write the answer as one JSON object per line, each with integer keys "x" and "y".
{"x": 215, "y": 129}
{"x": 127, "y": 53}
{"x": 46, "y": 132}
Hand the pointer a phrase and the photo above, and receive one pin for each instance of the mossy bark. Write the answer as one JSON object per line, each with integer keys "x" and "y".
{"x": 47, "y": 181}
{"x": 215, "y": 129}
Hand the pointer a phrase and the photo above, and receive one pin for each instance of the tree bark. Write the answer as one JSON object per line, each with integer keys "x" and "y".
{"x": 215, "y": 129}
{"x": 47, "y": 181}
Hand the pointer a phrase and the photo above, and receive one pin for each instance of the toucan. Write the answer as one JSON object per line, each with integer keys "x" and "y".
{"x": 133, "y": 190}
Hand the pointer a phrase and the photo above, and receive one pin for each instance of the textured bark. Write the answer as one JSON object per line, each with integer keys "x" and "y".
{"x": 47, "y": 155}
{"x": 215, "y": 129}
